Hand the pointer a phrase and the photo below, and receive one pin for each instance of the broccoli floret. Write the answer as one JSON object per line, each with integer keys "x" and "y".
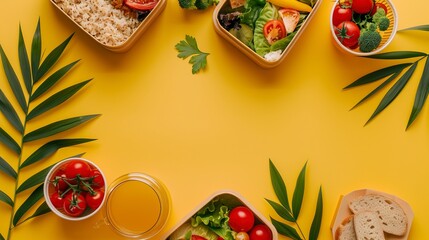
{"x": 187, "y": 4}
{"x": 369, "y": 38}
{"x": 197, "y": 4}
{"x": 203, "y": 4}
{"x": 381, "y": 20}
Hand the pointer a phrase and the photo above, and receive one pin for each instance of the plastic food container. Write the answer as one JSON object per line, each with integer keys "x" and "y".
{"x": 49, "y": 189}
{"x": 386, "y": 36}
{"x": 343, "y": 211}
{"x": 230, "y": 199}
{"x": 124, "y": 44}
{"x": 261, "y": 61}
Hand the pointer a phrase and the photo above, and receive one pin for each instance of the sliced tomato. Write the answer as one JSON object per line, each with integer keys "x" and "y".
{"x": 290, "y": 18}
{"x": 141, "y": 4}
{"x": 274, "y": 30}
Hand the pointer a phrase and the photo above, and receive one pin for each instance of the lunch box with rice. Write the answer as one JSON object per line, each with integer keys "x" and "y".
{"x": 112, "y": 28}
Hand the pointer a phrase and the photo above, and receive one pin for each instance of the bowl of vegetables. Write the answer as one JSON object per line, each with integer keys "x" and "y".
{"x": 74, "y": 189}
{"x": 363, "y": 27}
{"x": 264, "y": 30}
{"x": 224, "y": 215}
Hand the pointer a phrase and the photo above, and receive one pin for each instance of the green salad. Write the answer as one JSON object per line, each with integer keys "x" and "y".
{"x": 262, "y": 26}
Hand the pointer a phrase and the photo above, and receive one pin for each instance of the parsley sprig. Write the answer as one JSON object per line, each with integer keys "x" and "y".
{"x": 189, "y": 47}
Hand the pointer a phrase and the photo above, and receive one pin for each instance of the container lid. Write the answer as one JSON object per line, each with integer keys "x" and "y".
{"x": 137, "y": 206}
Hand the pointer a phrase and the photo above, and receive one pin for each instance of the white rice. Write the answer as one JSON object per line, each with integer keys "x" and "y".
{"x": 100, "y": 19}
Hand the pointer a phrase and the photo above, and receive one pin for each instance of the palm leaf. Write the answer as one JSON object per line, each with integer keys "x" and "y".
{"x": 7, "y": 140}
{"x": 51, "y": 59}
{"x": 42, "y": 209}
{"x": 50, "y": 148}
{"x": 34, "y": 197}
{"x": 378, "y": 74}
{"x": 1, "y": 237}
{"x": 24, "y": 62}
{"x": 398, "y": 55}
{"x": 51, "y": 80}
{"x": 298, "y": 193}
{"x": 57, "y": 127}
{"x": 285, "y": 229}
{"x": 5, "y": 198}
{"x": 38, "y": 178}
{"x": 394, "y": 91}
{"x": 279, "y": 186}
{"x": 390, "y": 79}
{"x": 56, "y": 100}
{"x": 10, "y": 114}
{"x": 281, "y": 211}
{"x": 36, "y": 50}
{"x": 420, "y": 28}
{"x": 317, "y": 220}
{"x": 421, "y": 94}
{"x": 13, "y": 81}
{"x": 6, "y": 168}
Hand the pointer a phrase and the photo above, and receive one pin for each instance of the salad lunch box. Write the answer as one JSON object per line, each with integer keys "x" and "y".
{"x": 225, "y": 197}
{"x": 249, "y": 52}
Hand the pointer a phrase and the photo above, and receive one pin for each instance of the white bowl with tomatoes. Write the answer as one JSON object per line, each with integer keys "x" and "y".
{"x": 363, "y": 27}
{"x": 224, "y": 215}
{"x": 74, "y": 189}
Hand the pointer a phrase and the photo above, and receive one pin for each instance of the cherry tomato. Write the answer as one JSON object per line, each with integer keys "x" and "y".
{"x": 141, "y": 4}
{"x": 274, "y": 30}
{"x": 58, "y": 180}
{"x": 242, "y": 236}
{"x": 260, "y": 232}
{"x": 342, "y": 12}
{"x": 196, "y": 237}
{"x": 93, "y": 200}
{"x": 56, "y": 200}
{"x": 362, "y": 6}
{"x": 77, "y": 167}
{"x": 97, "y": 179}
{"x": 74, "y": 204}
{"x": 241, "y": 219}
{"x": 348, "y": 33}
{"x": 377, "y": 6}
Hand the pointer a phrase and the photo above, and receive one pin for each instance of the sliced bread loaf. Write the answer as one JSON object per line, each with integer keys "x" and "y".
{"x": 346, "y": 230}
{"x": 392, "y": 217}
{"x": 367, "y": 226}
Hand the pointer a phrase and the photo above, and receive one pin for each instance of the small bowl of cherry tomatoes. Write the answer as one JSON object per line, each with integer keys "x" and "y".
{"x": 74, "y": 189}
{"x": 223, "y": 215}
{"x": 363, "y": 27}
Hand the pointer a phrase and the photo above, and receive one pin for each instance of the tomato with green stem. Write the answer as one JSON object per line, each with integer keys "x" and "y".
{"x": 94, "y": 198}
{"x": 348, "y": 33}
{"x": 74, "y": 204}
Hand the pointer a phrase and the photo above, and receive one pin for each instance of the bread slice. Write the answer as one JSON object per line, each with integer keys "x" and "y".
{"x": 367, "y": 226}
{"x": 346, "y": 230}
{"x": 392, "y": 217}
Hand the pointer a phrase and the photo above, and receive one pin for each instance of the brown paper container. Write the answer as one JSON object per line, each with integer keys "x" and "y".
{"x": 248, "y": 51}
{"x": 232, "y": 199}
{"x": 126, "y": 45}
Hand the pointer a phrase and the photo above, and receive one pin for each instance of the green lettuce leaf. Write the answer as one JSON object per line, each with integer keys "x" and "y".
{"x": 268, "y": 13}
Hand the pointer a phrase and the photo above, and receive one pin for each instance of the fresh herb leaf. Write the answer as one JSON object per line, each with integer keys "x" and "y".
{"x": 189, "y": 47}
{"x": 421, "y": 94}
{"x": 317, "y": 220}
{"x": 5, "y": 198}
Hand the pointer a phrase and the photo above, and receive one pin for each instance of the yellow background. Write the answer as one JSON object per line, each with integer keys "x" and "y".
{"x": 218, "y": 129}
